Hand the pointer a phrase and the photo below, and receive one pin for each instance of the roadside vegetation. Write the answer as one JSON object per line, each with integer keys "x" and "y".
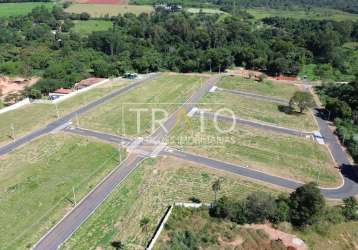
{"x": 210, "y": 233}
{"x": 260, "y": 110}
{"x": 265, "y": 87}
{"x": 147, "y": 193}
{"x": 304, "y": 210}
{"x": 341, "y": 106}
{"x": 38, "y": 183}
{"x": 21, "y": 121}
{"x": 287, "y": 156}
{"x": 167, "y": 92}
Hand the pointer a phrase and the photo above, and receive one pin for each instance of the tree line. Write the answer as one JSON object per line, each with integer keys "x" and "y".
{"x": 43, "y": 43}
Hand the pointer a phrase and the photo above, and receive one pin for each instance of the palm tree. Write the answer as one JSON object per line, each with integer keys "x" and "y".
{"x": 216, "y": 187}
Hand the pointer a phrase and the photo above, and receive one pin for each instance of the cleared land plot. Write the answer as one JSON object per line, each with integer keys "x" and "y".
{"x": 166, "y": 92}
{"x": 36, "y": 183}
{"x": 33, "y": 116}
{"x": 19, "y": 9}
{"x": 205, "y": 10}
{"x": 282, "y": 155}
{"x": 266, "y": 88}
{"x": 89, "y": 26}
{"x": 259, "y": 110}
{"x": 100, "y": 10}
{"x": 314, "y": 13}
{"x": 210, "y": 233}
{"x": 147, "y": 192}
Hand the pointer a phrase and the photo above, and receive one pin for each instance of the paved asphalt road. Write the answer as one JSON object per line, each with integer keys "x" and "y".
{"x": 73, "y": 220}
{"x": 78, "y": 215}
{"x": 256, "y": 96}
{"x": 160, "y": 133}
{"x": 348, "y": 189}
{"x": 257, "y": 125}
{"x": 63, "y": 120}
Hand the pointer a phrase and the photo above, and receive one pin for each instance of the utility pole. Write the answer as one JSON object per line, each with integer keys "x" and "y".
{"x": 12, "y": 131}
{"x": 74, "y": 196}
{"x": 57, "y": 112}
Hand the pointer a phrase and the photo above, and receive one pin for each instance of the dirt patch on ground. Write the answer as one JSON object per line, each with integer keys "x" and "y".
{"x": 11, "y": 85}
{"x": 119, "y": 2}
{"x": 289, "y": 240}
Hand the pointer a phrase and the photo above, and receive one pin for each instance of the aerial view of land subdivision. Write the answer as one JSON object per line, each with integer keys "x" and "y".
{"x": 178, "y": 124}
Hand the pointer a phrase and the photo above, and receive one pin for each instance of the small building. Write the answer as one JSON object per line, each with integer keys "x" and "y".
{"x": 286, "y": 78}
{"x": 87, "y": 83}
{"x": 58, "y": 93}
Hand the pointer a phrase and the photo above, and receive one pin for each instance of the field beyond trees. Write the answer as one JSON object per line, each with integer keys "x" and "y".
{"x": 19, "y": 9}
{"x": 101, "y": 10}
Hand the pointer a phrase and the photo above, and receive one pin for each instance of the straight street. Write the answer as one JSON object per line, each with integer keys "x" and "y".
{"x": 65, "y": 119}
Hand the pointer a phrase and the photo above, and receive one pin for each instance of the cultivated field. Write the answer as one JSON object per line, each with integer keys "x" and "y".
{"x": 314, "y": 13}
{"x": 119, "y": 116}
{"x": 19, "y": 9}
{"x": 267, "y": 88}
{"x": 37, "y": 182}
{"x": 211, "y": 233}
{"x": 100, "y": 10}
{"x": 89, "y": 26}
{"x": 34, "y": 116}
{"x": 287, "y": 156}
{"x": 259, "y": 110}
{"x": 147, "y": 193}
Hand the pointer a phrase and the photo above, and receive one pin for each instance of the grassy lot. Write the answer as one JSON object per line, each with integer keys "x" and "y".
{"x": 147, "y": 193}
{"x": 210, "y": 233}
{"x": 89, "y": 26}
{"x": 314, "y": 13}
{"x": 269, "y": 88}
{"x": 205, "y": 10}
{"x": 166, "y": 92}
{"x": 340, "y": 236}
{"x": 36, "y": 183}
{"x": 100, "y": 10}
{"x": 259, "y": 110}
{"x": 34, "y": 116}
{"x": 19, "y": 9}
{"x": 282, "y": 155}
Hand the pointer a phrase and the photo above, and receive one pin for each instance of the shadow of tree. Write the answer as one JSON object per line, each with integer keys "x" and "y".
{"x": 288, "y": 110}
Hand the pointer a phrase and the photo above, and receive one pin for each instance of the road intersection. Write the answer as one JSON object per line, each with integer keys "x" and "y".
{"x": 153, "y": 146}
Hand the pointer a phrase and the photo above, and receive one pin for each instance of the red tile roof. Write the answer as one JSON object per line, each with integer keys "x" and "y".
{"x": 286, "y": 78}
{"x": 63, "y": 91}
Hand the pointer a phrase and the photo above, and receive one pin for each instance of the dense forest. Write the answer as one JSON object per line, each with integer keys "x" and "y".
{"x": 42, "y": 43}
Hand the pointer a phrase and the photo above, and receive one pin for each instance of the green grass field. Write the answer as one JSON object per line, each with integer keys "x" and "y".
{"x": 36, "y": 183}
{"x": 314, "y": 13}
{"x": 100, "y": 10}
{"x": 287, "y": 156}
{"x": 34, "y": 116}
{"x": 258, "y": 110}
{"x": 205, "y": 10}
{"x": 147, "y": 193}
{"x": 211, "y": 233}
{"x": 166, "y": 92}
{"x": 89, "y": 26}
{"x": 19, "y": 9}
{"x": 268, "y": 88}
